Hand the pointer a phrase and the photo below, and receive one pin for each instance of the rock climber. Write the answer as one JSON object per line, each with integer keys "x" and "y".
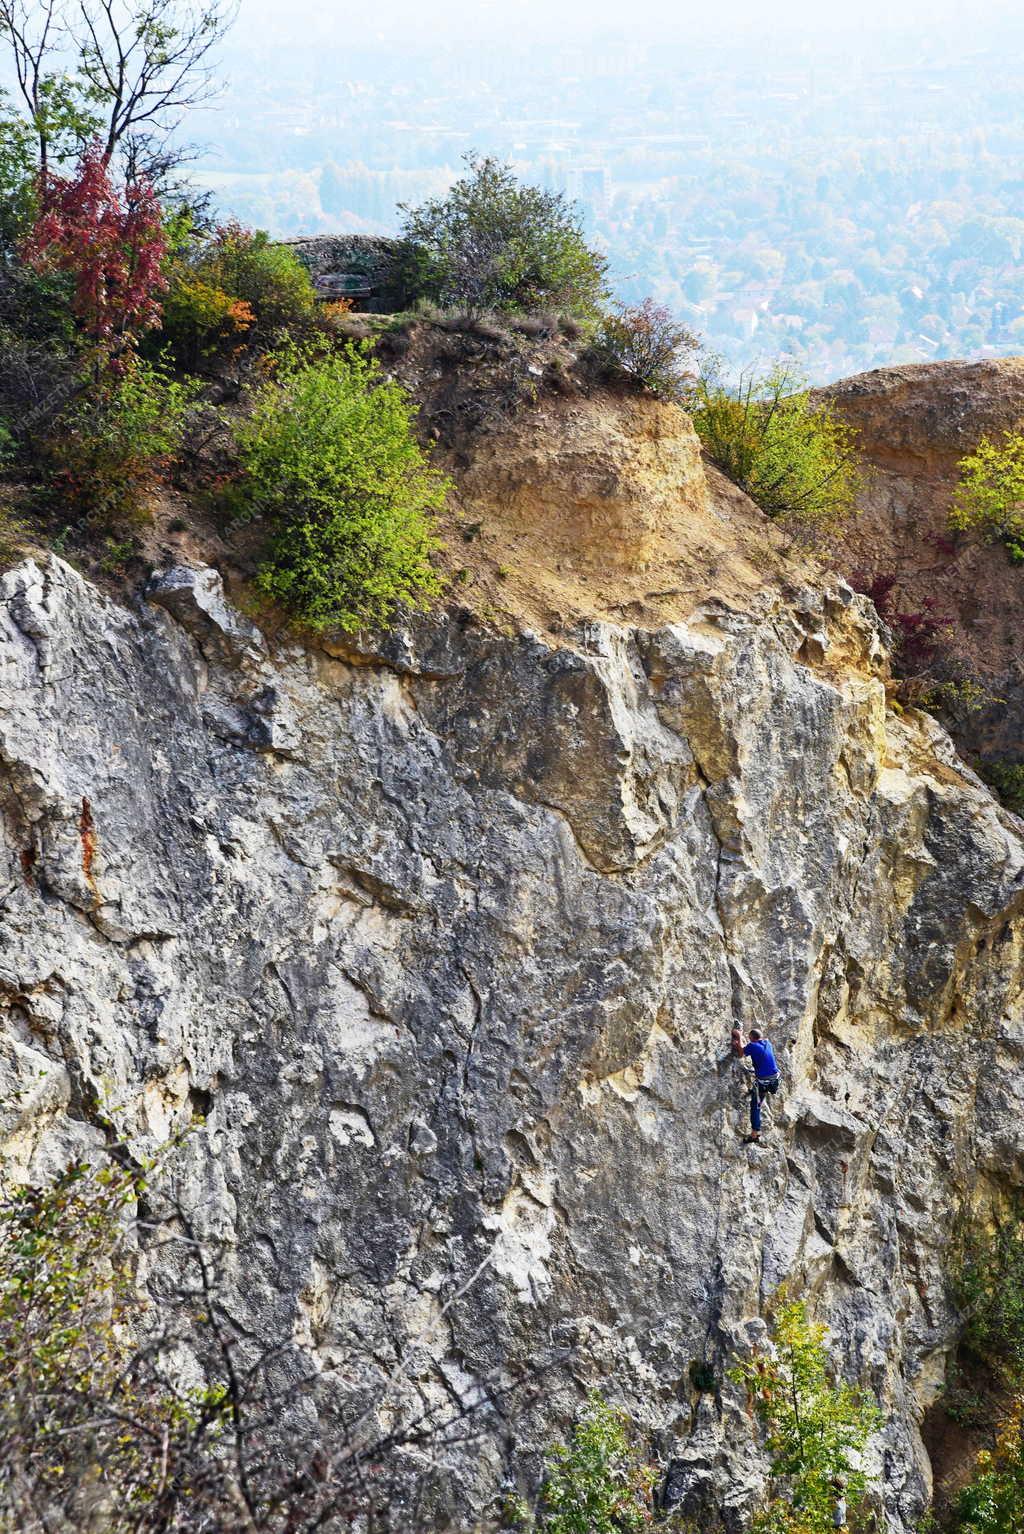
{"x": 766, "y": 1075}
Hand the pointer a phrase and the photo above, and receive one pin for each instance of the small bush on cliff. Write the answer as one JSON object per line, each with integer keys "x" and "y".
{"x": 644, "y": 343}
{"x": 597, "y": 1483}
{"x": 200, "y": 319}
{"x": 269, "y": 278}
{"x": 920, "y": 634}
{"x": 816, "y": 1430}
{"x": 993, "y": 1500}
{"x": 494, "y": 243}
{"x": 330, "y": 458}
{"x": 930, "y": 670}
{"x": 990, "y": 494}
{"x": 222, "y": 284}
{"x": 794, "y": 458}
{"x": 1007, "y": 779}
{"x": 988, "y": 1286}
{"x": 108, "y": 445}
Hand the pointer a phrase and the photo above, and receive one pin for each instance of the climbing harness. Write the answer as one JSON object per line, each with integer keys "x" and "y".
{"x": 769, "y": 1083}
{"x": 757, "y": 1089}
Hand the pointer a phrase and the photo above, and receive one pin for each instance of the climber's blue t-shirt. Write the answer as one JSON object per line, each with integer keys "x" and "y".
{"x": 763, "y": 1056}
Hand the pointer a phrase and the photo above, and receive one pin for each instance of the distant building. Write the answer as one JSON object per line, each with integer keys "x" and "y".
{"x": 591, "y": 185}
{"x": 586, "y": 184}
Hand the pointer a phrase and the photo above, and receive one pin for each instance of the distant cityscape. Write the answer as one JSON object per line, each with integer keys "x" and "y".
{"x": 841, "y": 211}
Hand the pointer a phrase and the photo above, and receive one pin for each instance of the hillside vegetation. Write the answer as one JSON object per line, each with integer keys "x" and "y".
{"x": 164, "y": 371}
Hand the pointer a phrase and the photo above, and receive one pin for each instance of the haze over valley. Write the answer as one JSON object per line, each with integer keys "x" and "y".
{"x": 848, "y": 199}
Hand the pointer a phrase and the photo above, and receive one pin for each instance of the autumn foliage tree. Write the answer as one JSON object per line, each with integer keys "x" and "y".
{"x": 110, "y": 242}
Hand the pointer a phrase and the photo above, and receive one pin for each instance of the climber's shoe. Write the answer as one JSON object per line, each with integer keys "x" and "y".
{"x": 751, "y": 1139}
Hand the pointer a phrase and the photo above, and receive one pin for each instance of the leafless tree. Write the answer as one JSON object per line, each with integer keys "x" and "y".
{"x": 149, "y": 61}
{"x": 126, "y": 70}
{"x": 147, "y": 1409}
{"x": 34, "y": 31}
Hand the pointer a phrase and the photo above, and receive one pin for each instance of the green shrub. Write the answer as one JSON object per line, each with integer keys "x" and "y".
{"x": 988, "y": 1286}
{"x": 114, "y": 438}
{"x": 66, "y": 1276}
{"x": 990, "y": 493}
{"x": 993, "y": 1500}
{"x": 414, "y": 278}
{"x": 598, "y": 1483}
{"x": 329, "y": 456}
{"x": 269, "y": 278}
{"x": 494, "y": 243}
{"x": 1007, "y": 778}
{"x": 199, "y": 318}
{"x": 645, "y": 344}
{"x": 222, "y": 284}
{"x": 794, "y": 458}
{"x": 816, "y": 1430}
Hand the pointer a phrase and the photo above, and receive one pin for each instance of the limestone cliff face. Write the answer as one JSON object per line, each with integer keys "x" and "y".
{"x": 445, "y": 939}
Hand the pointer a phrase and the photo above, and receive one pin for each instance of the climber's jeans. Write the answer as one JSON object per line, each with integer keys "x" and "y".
{"x": 758, "y": 1092}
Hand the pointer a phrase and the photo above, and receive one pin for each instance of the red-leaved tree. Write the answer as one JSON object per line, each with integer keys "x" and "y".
{"x": 111, "y": 242}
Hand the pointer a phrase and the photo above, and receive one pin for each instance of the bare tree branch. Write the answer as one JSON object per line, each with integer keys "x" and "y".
{"x": 34, "y": 33}
{"x": 128, "y": 69}
{"x": 149, "y": 61}
{"x": 101, "y": 1431}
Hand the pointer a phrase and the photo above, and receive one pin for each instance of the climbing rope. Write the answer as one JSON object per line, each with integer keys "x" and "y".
{"x": 743, "y": 1073}
{"x": 716, "y": 1283}
{"x": 715, "y": 1290}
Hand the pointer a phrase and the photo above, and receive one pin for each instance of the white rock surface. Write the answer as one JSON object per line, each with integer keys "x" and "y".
{"x": 445, "y": 941}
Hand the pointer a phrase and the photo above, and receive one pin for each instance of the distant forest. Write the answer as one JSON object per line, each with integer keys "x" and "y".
{"x": 846, "y": 211}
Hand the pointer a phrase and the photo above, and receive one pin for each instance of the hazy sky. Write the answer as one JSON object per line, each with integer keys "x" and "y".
{"x": 448, "y": 20}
